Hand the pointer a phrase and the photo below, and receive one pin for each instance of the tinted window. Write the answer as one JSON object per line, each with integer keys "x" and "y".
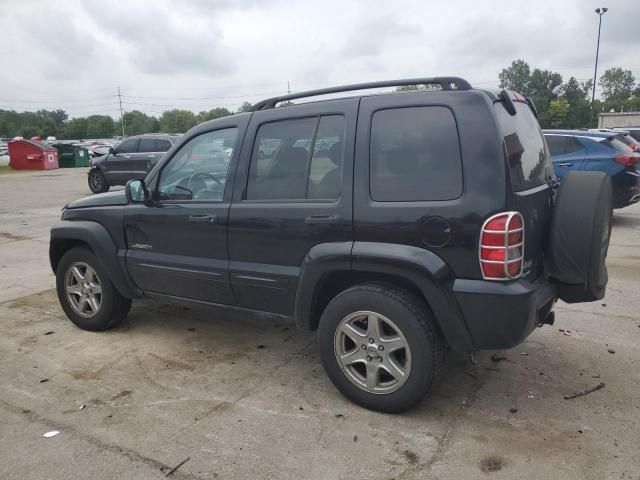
{"x": 147, "y": 145}
{"x": 198, "y": 171}
{"x": 616, "y": 143}
{"x": 162, "y": 145}
{"x": 415, "y": 155}
{"x": 297, "y": 159}
{"x": 573, "y": 145}
{"x": 526, "y": 150}
{"x": 326, "y": 163}
{"x": 128, "y": 146}
{"x": 556, "y": 144}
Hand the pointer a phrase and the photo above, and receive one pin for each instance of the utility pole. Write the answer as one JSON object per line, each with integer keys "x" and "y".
{"x": 600, "y": 12}
{"x": 121, "y": 114}
{"x": 288, "y": 88}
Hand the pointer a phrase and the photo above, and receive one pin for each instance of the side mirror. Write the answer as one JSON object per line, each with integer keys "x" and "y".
{"x": 136, "y": 192}
{"x": 113, "y": 151}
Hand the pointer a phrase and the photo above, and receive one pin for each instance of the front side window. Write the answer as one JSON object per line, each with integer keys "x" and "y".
{"x": 414, "y": 155}
{"x": 556, "y": 144}
{"x": 198, "y": 171}
{"x": 128, "y": 146}
{"x": 297, "y": 159}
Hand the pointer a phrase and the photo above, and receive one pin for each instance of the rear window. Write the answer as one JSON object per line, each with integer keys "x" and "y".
{"x": 526, "y": 149}
{"x": 415, "y": 155}
{"x": 618, "y": 144}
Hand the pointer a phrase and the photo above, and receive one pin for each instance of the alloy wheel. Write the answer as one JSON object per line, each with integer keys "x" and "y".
{"x": 84, "y": 290}
{"x": 372, "y": 352}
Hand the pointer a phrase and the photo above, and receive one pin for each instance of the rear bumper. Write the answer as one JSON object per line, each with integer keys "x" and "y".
{"x": 501, "y": 315}
{"x": 626, "y": 188}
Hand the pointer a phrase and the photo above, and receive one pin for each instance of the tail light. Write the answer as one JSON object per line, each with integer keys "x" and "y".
{"x": 626, "y": 160}
{"x": 634, "y": 146}
{"x": 502, "y": 246}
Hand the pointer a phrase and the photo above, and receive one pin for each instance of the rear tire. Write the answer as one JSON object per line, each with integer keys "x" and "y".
{"x": 368, "y": 368}
{"x": 97, "y": 181}
{"x": 86, "y": 292}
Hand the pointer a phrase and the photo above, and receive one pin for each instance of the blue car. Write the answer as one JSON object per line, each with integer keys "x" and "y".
{"x": 601, "y": 152}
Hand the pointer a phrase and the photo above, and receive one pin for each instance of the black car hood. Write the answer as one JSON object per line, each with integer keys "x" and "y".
{"x": 100, "y": 200}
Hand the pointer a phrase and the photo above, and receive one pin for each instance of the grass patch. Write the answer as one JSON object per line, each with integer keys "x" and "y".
{"x": 7, "y": 169}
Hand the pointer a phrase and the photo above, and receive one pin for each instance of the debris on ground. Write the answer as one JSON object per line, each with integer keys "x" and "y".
{"x": 524, "y": 354}
{"x": 170, "y": 472}
{"x": 339, "y": 415}
{"x": 261, "y": 347}
{"x": 585, "y": 392}
{"x": 49, "y": 332}
{"x": 44, "y": 380}
{"x": 82, "y": 407}
{"x": 51, "y": 434}
{"x": 611, "y": 350}
{"x": 191, "y": 329}
{"x": 491, "y": 464}
{"x": 595, "y": 376}
{"x": 513, "y": 410}
{"x": 604, "y": 304}
{"x": 355, "y": 438}
{"x": 497, "y": 358}
{"x": 565, "y": 332}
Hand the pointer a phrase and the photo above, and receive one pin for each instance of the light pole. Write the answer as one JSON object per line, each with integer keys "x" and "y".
{"x": 600, "y": 12}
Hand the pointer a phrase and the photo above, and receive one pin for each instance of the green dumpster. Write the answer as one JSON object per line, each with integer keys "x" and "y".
{"x": 70, "y": 156}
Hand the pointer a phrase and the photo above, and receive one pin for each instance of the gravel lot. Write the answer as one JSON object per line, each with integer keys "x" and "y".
{"x": 244, "y": 397}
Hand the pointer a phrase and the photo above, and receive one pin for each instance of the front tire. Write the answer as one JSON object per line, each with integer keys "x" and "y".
{"x": 97, "y": 181}
{"x": 86, "y": 292}
{"x": 380, "y": 346}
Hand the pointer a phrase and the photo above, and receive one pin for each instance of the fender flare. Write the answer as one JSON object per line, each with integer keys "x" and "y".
{"x": 99, "y": 240}
{"x": 423, "y": 268}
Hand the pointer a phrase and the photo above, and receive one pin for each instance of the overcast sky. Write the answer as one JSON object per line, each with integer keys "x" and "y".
{"x": 199, "y": 54}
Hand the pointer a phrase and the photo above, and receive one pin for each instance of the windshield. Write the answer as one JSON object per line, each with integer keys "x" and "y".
{"x": 526, "y": 149}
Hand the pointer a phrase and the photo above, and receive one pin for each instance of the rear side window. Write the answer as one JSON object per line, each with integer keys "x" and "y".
{"x": 414, "y": 155}
{"x": 573, "y": 145}
{"x": 147, "y": 145}
{"x": 526, "y": 149}
{"x": 162, "y": 145}
{"x": 297, "y": 159}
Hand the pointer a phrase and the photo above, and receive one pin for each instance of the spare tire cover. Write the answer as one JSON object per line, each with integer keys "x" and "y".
{"x": 580, "y": 232}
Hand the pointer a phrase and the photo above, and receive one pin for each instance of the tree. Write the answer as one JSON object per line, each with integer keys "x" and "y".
{"x": 177, "y": 121}
{"x": 76, "y": 128}
{"x": 213, "y": 114}
{"x": 558, "y": 111}
{"x": 516, "y": 77}
{"x": 577, "y": 96}
{"x": 245, "y": 107}
{"x": 137, "y": 122}
{"x": 100, "y": 126}
{"x": 617, "y": 87}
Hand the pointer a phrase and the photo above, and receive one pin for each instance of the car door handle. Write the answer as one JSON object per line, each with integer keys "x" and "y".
{"x": 565, "y": 164}
{"x": 203, "y": 218}
{"x": 317, "y": 219}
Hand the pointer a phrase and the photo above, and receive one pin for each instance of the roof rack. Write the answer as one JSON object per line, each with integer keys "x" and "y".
{"x": 447, "y": 83}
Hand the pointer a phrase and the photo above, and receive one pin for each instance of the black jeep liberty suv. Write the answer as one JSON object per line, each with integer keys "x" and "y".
{"x": 395, "y": 224}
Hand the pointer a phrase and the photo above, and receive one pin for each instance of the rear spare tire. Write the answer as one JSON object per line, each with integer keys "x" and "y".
{"x": 580, "y": 232}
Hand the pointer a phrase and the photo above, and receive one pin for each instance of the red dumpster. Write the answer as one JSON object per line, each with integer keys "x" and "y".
{"x": 30, "y": 155}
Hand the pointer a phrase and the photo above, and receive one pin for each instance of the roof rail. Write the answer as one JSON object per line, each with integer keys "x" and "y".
{"x": 447, "y": 83}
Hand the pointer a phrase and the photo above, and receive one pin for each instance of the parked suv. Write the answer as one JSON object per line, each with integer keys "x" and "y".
{"x": 600, "y": 151}
{"x": 396, "y": 225}
{"x": 132, "y": 159}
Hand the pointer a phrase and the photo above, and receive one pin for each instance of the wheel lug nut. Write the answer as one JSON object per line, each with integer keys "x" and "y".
{"x": 379, "y": 359}
{"x": 371, "y": 340}
{"x": 369, "y": 358}
{"x": 380, "y": 347}
{"x": 364, "y": 347}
